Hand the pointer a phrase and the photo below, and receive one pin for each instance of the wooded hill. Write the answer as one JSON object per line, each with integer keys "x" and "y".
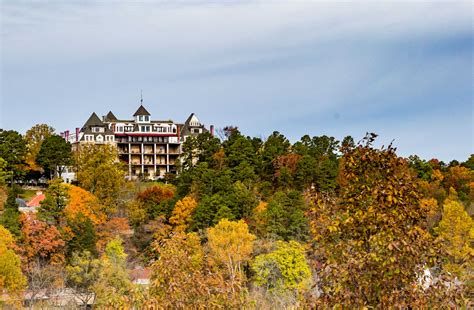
{"x": 247, "y": 223}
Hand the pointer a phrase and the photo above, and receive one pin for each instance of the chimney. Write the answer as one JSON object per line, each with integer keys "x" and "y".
{"x": 66, "y": 133}
{"x": 77, "y": 134}
{"x": 212, "y": 130}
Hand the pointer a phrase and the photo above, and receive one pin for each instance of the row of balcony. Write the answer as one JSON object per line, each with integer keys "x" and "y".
{"x": 139, "y": 139}
{"x": 150, "y": 152}
{"x": 150, "y": 162}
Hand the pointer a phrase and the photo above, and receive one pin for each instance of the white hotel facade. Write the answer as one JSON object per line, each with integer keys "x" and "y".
{"x": 149, "y": 148}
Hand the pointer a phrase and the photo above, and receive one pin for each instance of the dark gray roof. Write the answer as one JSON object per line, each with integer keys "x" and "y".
{"x": 141, "y": 111}
{"x": 189, "y": 119}
{"x": 93, "y": 120}
{"x": 110, "y": 117}
{"x": 88, "y": 131}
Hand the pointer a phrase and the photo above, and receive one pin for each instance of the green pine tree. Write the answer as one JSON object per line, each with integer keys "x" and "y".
{"x": 10, "y": 218}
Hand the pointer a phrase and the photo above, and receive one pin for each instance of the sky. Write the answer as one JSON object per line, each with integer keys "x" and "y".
{"x": 402, "y": 69}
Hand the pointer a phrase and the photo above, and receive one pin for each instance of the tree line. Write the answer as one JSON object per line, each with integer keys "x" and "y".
{"x": 247, "y": 222}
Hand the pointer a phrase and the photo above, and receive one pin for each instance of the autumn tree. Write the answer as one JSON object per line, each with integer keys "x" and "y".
{"x": 82, "y": 202}
{"x": 181, "y": 216}
{"x": 113, "y": 283}
{"x": 155, "y": 200}
{"x": 42, "y": 248}
{"x": 371, "y": 241}
{"x": 12, "y": 279}
{"x": 283, "y": 268}
{"x": 54, "y": 155}
{"x": 183, "y": 277}
{"x": 231, "y": 245}
{"x": 34, "y": 138}
{"x": 112, "y": 228}
{"x": 177, "y": 280}
{"x": 456, "y": 232}
{"x": 82, "y": 274}
{"x": 459, "y": 178}
{"x": 40, "y": 240}
{"x": 100, "y": 172}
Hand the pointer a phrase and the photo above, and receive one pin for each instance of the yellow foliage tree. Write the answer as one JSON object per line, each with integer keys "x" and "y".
{"x": 177, "y": 280}
{"x": 231, "y": 245}
{"x": 181, "y": 216}
{"x": 100, "y": 172}
{"x": 12, "y": 279}
{"x": 456, "y": 233}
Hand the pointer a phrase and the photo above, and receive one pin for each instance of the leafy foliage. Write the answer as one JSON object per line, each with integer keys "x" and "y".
{"x": 52, "y": 207}
{"x": 10, "y": 218}
{"x": 11, "y": 277}
{"x": 54, "y": 155}
{"x": 40, "y": 240}
{"x": 456, "y": 233}
{"x": 182, "y": 213}
{"x": 100, "y": 172}
{"x": 13, "y": 150}
{"x": 372, "y": 241}
{"x": 113, "y": 282}
{"x": 283, "y": 268}
{"x": 230, "y": 245}
{"x": 35, "y": 137}
{"x": 285, "y": 217}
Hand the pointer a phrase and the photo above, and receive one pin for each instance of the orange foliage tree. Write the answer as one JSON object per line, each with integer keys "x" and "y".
{"x": 40, "y": 240}
{"x": 181, "y": 216}
{"x": 151, "y": 203}
{"x": 82, "y": 201}
{"x": 116, "y": 226}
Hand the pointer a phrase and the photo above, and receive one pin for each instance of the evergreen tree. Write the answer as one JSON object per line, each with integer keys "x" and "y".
{"x": 285, "y": 217}
{"x": 83, "y": 236}
{"x": 10, "y": 217}
{"x": 54, "y": 154}
{"x": 206, "y": 211}
{"x": 13, "y": 150}
{"x": 52, "y": 207}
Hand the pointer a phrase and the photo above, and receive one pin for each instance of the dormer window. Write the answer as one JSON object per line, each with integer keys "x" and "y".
{"x": 97, "y": 129}
{"x": 147, "y": 118}
{"x": 140, "y": 118}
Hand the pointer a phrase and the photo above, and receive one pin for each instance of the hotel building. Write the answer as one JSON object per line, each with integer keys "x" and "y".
{"x": 149, "y": 148}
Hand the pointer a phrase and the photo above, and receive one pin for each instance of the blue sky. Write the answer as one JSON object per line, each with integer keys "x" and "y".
{"x": 401, "y": 69}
